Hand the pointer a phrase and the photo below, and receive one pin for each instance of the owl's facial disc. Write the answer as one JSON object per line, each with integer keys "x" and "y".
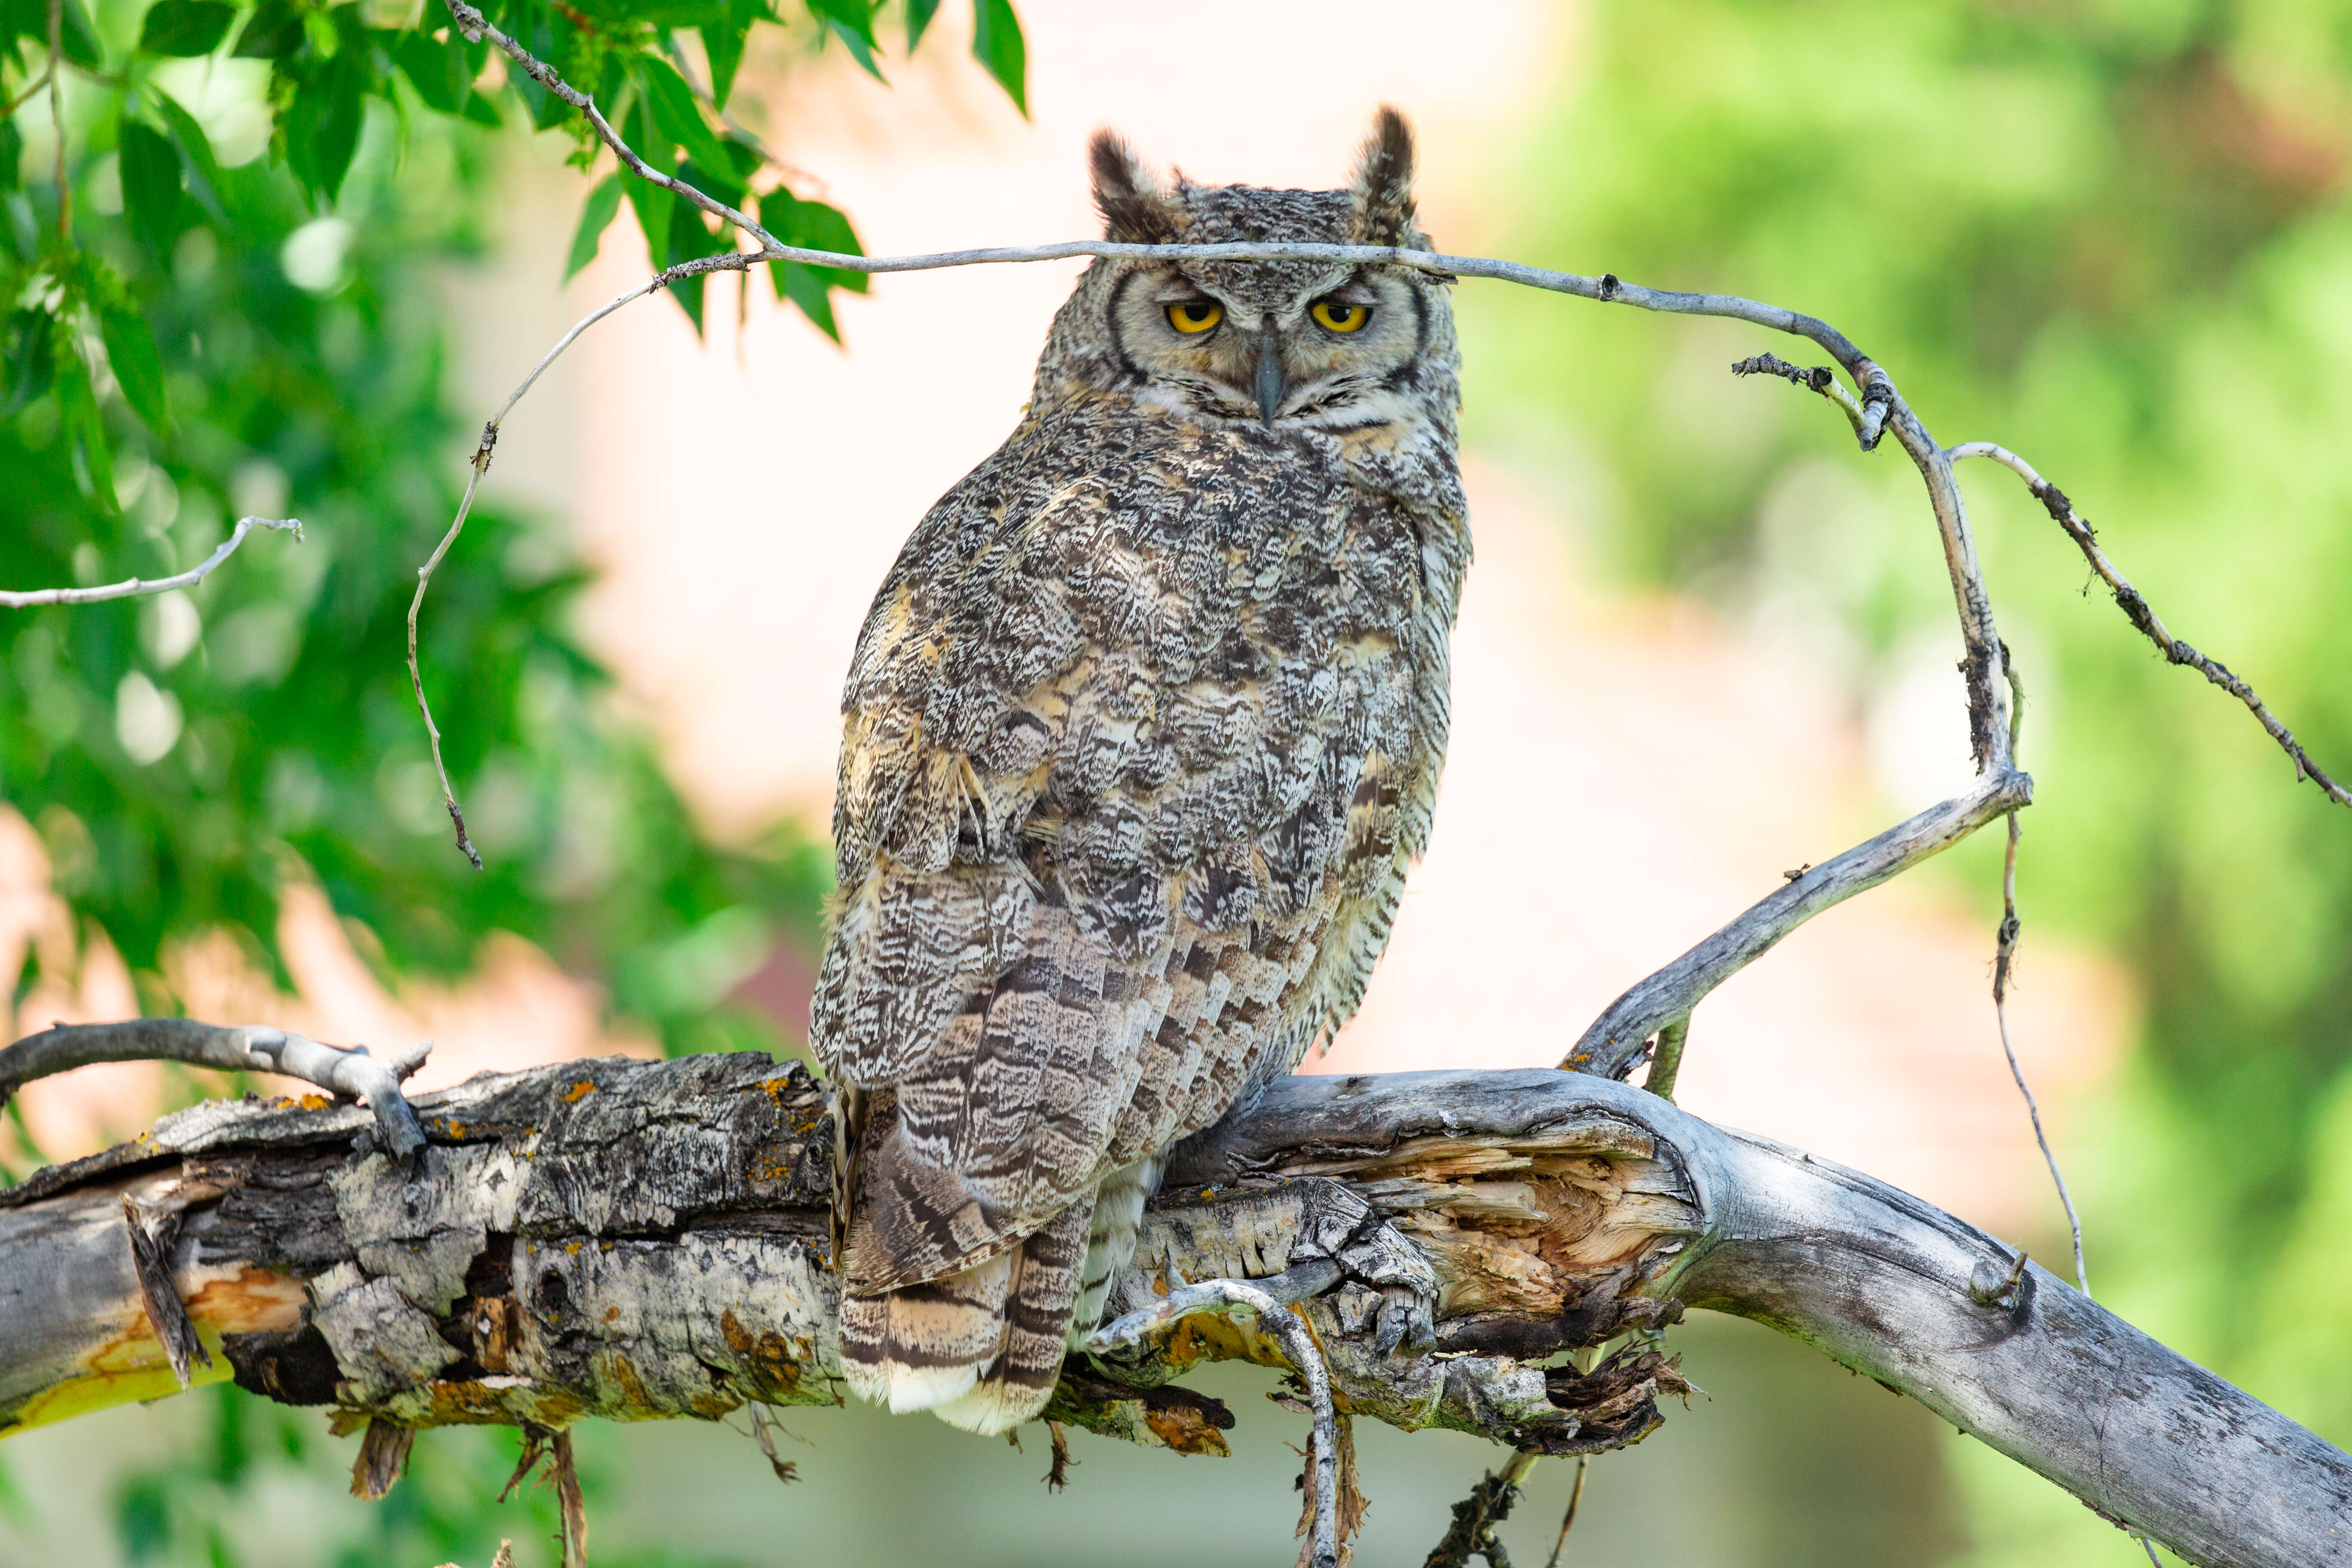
{"x": 1240, "y": 346}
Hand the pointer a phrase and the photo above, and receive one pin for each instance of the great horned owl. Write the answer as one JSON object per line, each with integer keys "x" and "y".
{"x": 1143, "y": 730}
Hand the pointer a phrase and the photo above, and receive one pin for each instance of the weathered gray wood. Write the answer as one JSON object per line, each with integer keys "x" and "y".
{"x": 1910, "y": 1295}
{"x": 631, "y": 1239}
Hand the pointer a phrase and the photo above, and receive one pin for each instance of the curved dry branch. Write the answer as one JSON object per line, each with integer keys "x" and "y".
{"x": 2141, "y": 614}
{"x": 1615, "y": 1041}
{"x": 347, "y": 1071}
{"x": 630, "y": 1240}
{"x": 139, "y": 587}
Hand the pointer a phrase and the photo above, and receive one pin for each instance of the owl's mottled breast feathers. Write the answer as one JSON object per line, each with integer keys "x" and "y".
{"x": 1141, "y": 732}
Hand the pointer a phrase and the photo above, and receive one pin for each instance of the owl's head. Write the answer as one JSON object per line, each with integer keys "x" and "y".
{"x": 1282, "y": 343}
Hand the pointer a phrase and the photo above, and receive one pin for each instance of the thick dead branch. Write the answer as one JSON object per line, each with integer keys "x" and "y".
{"x": 629, "y": 1239}
{"x": 136, "y": 587}
{"x": 350, "y": 1072}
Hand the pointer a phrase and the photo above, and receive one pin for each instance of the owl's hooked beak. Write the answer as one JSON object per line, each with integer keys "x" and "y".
{"x": 1270, "y": 382}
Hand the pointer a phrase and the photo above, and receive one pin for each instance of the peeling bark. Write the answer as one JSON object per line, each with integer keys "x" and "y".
{"x": 634, "y": 1241}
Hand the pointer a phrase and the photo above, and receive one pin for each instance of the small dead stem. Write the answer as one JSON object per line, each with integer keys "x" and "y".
{"x": 1568, "y": 1519}
{"x": 2003, "y": 966}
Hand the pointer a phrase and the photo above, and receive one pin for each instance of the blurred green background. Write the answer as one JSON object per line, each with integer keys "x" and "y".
{"x": 2113, "y": 236}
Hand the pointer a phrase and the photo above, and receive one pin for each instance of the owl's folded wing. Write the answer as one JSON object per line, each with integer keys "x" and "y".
{"x": 1118, "y": 821}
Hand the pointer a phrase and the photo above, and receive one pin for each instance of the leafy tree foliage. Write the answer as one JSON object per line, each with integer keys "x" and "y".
{"x": 218, "y": 305}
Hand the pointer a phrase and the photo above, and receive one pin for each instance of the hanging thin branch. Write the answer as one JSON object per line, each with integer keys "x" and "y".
{"x": 2136, "y": 610}
{"x": 140, "y": 587}
{"x": 2003, "y": 966}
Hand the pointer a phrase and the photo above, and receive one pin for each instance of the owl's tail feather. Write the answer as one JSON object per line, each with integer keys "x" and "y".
{"x": 982, "y": 1348}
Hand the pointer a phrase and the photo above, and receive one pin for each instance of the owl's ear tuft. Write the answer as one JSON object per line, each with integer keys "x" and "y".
{"x": 1134, "y": 209}
{"x": 1383, "y": 187}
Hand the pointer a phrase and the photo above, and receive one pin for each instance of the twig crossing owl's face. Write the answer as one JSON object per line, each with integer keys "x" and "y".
{"x": 1285, "y": 344}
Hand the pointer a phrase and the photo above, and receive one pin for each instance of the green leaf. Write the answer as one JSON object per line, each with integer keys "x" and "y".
{"x": 855, "y": 17}
{"x": 550, "y": 37}
{"x": 919, "y": 21}
{"x": 151, "y": 184}
{"x": 996, "y": 43}
{"x": 184, "y": 26}
{"x": 482, "y": 109}
{"x": 688, "y": 239}
{"x": 859, "y": 49}
{"x": 322, "y": 123}
{"x": 804, "y": 289}
{"x": 30, "y": 343}
{"x": 722, "y": 44}
{"x": 630, "y": 17}
{"x": 80, "y": 43}
{"x": 273, "y": 33}
{"x": 680, "y": 117}
{"x": 85, "y": 426}
{"x": 436, "y": 70}
{"x": 595, "y": 216}
{"x": 138, "y": 368}
{"x": 648, "y": 200}
{"x": 197, "y": 148}
{"x": 813, "y": 226}
{"x": 12, "y": 154}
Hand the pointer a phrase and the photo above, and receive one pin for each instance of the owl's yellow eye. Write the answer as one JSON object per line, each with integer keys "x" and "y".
{"x": 1193, "y": 317}
{"x": 1334, "y": 317}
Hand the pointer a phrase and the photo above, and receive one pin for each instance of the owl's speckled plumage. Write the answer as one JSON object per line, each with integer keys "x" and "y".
{"x": 1142, "y": 732}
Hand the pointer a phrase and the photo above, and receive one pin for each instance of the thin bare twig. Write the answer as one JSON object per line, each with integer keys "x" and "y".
{"x": 139, "y": 587}
{"x": 1287, "y": 1330}
{"x": 350, "y": 1072}
{"x": 481, "y": 464}
{"x": 2137, "y": 610}
{"x": 1819, "y": 378}
{"x": 2003, "y": 966}
{"x": 1568, "y": 1519}
{"x": 31, "y": 87}
{"x": 1058, "y": 1474}
{"x": 763, "y": 1431}
{"x": 57, "y": 118}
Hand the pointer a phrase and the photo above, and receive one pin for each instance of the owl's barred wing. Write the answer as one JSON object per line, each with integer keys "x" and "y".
{"x": 1118, "y": 805}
